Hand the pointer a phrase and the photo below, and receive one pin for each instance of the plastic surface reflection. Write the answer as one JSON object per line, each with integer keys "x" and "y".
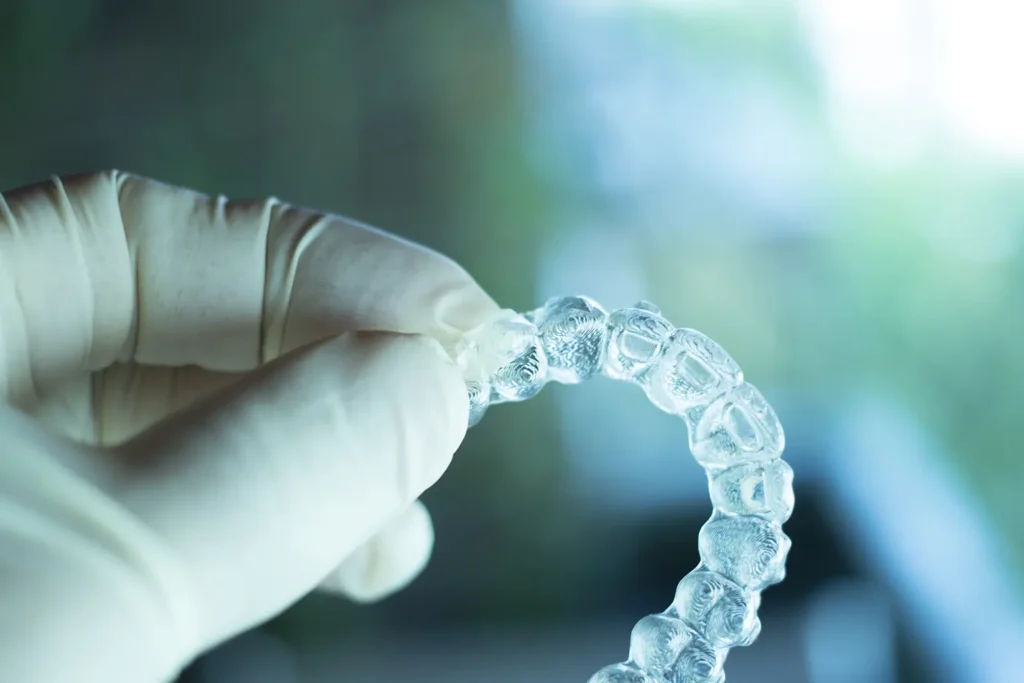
{"x": 734, "y": 434}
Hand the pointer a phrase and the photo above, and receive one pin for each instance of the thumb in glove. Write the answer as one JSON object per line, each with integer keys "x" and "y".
{"x": 223, "y": 515}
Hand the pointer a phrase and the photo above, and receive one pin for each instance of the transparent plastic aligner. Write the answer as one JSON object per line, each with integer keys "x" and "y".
{"x": 622, "y": 673}
{"x": 572, "y": 333}
{"x": 509, "y": 355}
{"x": 750, "y": 551}
{"x": 734, "y": 434}
{"x": 667, "y": 648}
{"x": 737, "y": 427}
{"x": 719, "y": 608}
{"x": 478, "y": 386}
{"x": 691, "y": 370}
{"x": 765, "y": 490}
{"x": 635, "y": 338}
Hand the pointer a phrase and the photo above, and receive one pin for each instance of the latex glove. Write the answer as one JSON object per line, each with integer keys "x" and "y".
{"x": 165, "y": 483}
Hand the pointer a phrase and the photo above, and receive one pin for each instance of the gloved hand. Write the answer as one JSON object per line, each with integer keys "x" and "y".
{"x": 209, "y": 409}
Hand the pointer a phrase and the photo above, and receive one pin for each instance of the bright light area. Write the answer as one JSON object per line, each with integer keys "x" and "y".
{"x": 979, "y": 57}
{"x": 870, "y": 55}
{"x": 905, "y": 74}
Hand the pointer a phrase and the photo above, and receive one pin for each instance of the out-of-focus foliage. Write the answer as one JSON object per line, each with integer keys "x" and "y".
{"x": 751, "y": 214}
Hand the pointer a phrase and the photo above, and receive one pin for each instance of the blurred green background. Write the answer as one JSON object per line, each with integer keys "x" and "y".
{"x": 832, "y": 190}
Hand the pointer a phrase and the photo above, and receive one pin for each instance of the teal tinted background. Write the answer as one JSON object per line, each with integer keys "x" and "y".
{"x": 831, "y": 190}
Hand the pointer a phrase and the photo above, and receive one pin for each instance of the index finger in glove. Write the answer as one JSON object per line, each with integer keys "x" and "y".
{"x": 110, "y": 267}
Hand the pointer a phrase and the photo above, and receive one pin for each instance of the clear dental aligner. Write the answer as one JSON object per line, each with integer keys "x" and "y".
{"x": 733, "y": 433}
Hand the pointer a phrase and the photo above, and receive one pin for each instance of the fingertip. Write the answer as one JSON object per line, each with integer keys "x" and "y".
{"x": 345, "y": 275}
{"x": 388, "y": 562}
{"x": 460, "y": 303}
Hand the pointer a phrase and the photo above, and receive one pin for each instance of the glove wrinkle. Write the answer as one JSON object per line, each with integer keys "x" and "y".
{"x": 17, "y": 378}
{"x": 289, "y": 233}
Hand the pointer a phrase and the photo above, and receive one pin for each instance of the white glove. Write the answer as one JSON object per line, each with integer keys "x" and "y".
{"x": 187, "y": 446}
